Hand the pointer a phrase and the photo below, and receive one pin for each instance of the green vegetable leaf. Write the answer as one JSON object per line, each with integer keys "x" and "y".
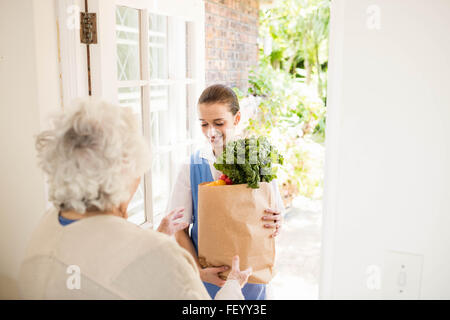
{"x": 250, "y": 160}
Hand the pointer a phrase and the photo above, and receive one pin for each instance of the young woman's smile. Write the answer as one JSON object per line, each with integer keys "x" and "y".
{"x": 218, "y": 123}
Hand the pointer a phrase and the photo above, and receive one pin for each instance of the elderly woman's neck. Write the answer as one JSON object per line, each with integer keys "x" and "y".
{"x": 73, "y": 215}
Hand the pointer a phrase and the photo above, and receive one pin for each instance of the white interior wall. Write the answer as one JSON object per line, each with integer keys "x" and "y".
{"x": 29, "y": 90}
{"x": 387, "y": 180}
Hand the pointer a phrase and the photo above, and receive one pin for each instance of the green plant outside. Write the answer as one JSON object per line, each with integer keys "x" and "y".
{"x": 291, "y": 81}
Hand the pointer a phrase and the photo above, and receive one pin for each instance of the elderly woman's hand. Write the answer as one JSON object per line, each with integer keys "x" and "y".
{"x": 272, "y": 220}
{"x": 237, "y": 274}
{"x": 169, "y": 224}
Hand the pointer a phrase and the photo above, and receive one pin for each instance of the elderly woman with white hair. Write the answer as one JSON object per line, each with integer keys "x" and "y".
{"x": 84, "y": 248}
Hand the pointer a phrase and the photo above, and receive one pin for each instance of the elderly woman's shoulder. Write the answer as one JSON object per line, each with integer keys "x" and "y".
{"x": 109, "y": 235}
{"x": 126, "y": 229}
{"x": 148, "y": 242}
{"x": 137, "y": 236}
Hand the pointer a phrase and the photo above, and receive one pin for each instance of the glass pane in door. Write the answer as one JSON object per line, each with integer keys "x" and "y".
{"x": 127, "y": 31}
{"x": 159, "y": 97}
{"x": 132, "y": 97}
{"x": 162, "y": 131}
{"x": 136, "y": 208}
{"x": 161, "y": 182}
{"x": 157, "y": 46}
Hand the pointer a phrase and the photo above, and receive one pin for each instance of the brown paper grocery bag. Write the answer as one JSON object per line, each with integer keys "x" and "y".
{"x": 230, "y": 224}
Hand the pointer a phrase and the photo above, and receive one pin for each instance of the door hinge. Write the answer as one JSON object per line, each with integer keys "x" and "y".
{"x": 88, "y": 28}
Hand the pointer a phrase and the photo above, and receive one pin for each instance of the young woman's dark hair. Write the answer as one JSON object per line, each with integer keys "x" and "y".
{"x": 222, "y": 94}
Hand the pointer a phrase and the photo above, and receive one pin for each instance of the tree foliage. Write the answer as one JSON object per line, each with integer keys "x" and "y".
{"x": 298, "y": 31}
{"x": 290, "y": 80}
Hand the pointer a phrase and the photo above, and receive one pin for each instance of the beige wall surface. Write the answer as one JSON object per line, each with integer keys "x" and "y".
{"x": 29, "y": 90}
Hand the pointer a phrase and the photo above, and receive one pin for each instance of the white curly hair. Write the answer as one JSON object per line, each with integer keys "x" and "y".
{"x": 91, "y": 156}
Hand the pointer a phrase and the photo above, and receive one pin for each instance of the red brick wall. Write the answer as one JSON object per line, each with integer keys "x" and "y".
{"x": 231, "y": 28}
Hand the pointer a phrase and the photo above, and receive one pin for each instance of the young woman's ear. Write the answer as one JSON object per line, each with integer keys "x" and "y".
{"x": 237, "y": 118}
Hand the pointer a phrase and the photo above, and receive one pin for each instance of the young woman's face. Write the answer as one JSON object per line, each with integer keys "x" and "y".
{"x": 217, "y": 122}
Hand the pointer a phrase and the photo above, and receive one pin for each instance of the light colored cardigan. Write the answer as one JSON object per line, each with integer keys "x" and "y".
{"x": 115, "y": 259}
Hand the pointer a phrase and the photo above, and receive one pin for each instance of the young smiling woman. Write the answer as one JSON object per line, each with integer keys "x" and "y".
{"x": 219, "y": 115}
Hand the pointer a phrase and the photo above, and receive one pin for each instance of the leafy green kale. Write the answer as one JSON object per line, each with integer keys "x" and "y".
{"x": 249, "y": 161}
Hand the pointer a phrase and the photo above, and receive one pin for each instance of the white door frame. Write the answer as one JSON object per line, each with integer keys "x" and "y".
{"x": 72, "y": 53}
{"x": 331, "y": 165}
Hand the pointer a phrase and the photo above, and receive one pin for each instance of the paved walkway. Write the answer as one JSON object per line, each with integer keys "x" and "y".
{"x": 298, "y": 253}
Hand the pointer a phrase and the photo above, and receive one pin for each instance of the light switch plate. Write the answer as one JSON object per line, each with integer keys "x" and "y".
{"x": 402, "y": 275}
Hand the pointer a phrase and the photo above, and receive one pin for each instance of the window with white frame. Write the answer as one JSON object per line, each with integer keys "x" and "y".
{"x": 153, "y": 75}
{"x": 149, "y": 56}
